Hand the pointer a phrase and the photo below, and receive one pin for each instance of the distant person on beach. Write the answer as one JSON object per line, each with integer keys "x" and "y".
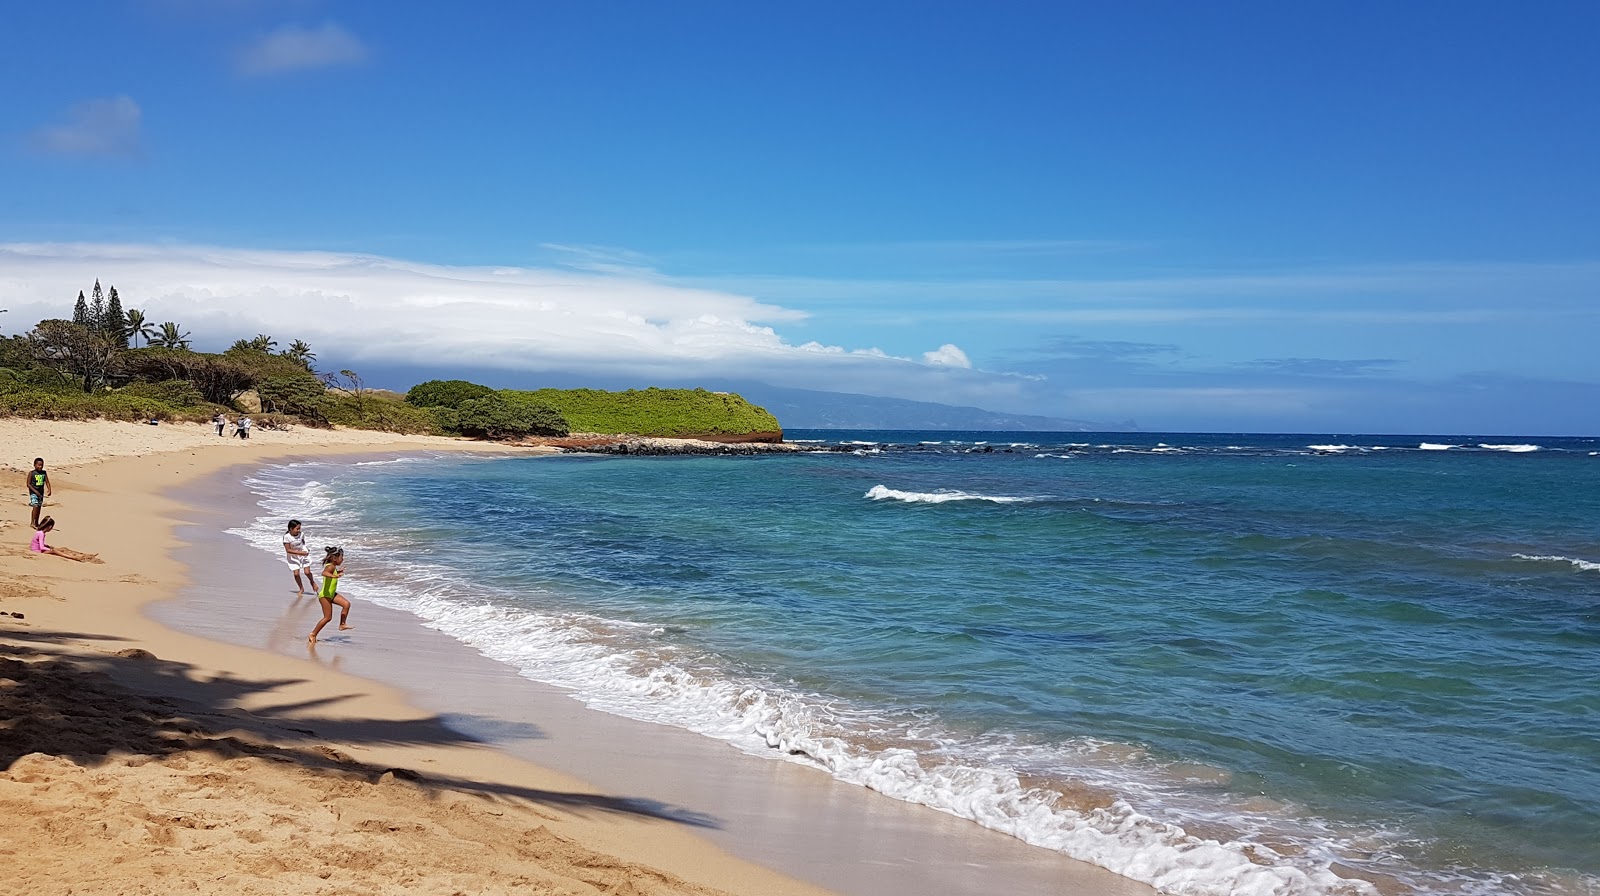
{"x": 294, "y": 549}
{"x": 220, "y": 420}
{"x": 244, "y": 427}
{"x": 332, "y": 570}
{"x": 45, "y": 527}
{"x": 38, "y": 488}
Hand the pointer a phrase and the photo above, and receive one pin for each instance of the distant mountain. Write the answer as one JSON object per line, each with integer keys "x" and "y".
{"x": 808, "y": 409}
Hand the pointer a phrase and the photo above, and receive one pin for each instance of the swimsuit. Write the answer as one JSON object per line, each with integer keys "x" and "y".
{"x": 330, "y": 586}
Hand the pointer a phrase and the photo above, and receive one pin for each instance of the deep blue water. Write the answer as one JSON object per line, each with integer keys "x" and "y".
{"x": 1218, "y": 663}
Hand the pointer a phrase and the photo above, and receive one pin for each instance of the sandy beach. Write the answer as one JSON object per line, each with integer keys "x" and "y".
{"x": 142, "y": 759}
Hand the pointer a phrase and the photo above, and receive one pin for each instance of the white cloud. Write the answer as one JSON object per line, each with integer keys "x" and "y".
{"x": 364, "y": 308}
{"x": 98, "y": 127}
{"x": 947, "y": 355}
{"x": 294, "y": 48}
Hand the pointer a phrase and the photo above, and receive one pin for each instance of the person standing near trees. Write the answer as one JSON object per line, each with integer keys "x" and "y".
{"x": 38, "y": 488}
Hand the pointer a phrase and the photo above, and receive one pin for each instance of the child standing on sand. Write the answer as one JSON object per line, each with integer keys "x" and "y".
{"x": 332, "y": 570}
{"x": 38, "y": 488}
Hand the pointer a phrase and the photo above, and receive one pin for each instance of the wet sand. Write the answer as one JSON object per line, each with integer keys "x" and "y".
{"x": 391, "y": 711}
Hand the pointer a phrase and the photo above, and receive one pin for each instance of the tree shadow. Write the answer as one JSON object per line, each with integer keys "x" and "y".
{"x": 66, "y": 701}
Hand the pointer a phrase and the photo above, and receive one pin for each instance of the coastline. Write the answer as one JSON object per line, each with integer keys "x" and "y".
{"x": 279, "y": 698}
{"x": 138, "y": 757}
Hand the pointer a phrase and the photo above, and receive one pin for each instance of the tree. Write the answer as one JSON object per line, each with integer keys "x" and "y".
{"x": 218, "y": 378}
{"x": 80, "y": 311}
{"x": 116, "y": 321}
{"x": 137, "y": 325}
{"x": 75, "y": 350}
{"x": 97, "y": 308}
{"x": 300, "y": 353}
{"x": 263, "y": 343}
{"x": 492, "y": 416}
{"x": 172, "y": 336}
{"x": 445, "y": 393}
{"x": 300, "y": 394}
{"x": 356, "y": 386}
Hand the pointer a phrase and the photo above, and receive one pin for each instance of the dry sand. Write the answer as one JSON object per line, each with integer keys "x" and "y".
{"x": 137, "y": 759}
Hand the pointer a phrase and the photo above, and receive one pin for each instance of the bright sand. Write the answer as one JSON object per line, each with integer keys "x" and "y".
{"x": 139, "y": 759}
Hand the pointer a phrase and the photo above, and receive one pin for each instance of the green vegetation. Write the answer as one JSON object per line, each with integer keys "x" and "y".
{"x": 93, "y": 366}
{"x": 445, "y": 393}
{"x": 670, "y": 413}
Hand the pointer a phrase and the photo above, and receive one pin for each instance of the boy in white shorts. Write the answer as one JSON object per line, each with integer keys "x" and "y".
{"x": 299, "y": 559}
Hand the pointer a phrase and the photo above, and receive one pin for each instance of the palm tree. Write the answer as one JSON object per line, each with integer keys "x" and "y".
{"x": 137, "y": 325}
{"x": 172, "y": 336}
{"x": 301, "y": 353}
{"x": 263, "y": 343}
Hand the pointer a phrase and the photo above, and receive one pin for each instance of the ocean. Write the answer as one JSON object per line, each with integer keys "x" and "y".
{"x": 1218, "y": 664}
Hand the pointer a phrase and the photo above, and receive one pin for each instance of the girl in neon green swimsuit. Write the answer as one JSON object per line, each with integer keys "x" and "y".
{"x": 332, "y": 569}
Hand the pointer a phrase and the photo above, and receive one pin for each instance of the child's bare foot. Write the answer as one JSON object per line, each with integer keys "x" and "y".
{"x": 345, "y": 628}
{"x": 311, "y": 639}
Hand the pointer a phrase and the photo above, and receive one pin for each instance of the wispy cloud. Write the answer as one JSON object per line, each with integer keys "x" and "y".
{"x": 1443, "y": 293}
{"x": 1107, "y": 350}
{"x": 603, "y": 260}
{"x": 107, "y": 127}
{"x": 1322, "y": 367}
{"x": 296, "y": 48}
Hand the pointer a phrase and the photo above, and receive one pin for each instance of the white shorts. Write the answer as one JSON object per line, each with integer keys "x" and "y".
{"x": 297, "y": 562}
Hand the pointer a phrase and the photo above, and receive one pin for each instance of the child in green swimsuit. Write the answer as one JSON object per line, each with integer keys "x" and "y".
{"x": 332, "y": 569}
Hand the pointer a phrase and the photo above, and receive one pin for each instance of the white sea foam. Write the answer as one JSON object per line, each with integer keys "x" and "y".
{"x": 1331, "y": 447}
{"x": 884, "y": 493}
{"x": 1140, "y": 835}
{"x": 1585, "y": 565}
{"x": 1436, "y": 446}
{"x": 1517, "y": 449}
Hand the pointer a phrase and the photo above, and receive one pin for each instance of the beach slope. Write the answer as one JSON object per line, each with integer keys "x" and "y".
{"x": 136, "y": 759}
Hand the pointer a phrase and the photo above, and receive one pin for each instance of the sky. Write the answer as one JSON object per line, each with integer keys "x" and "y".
{"x": 1232, "y": 216}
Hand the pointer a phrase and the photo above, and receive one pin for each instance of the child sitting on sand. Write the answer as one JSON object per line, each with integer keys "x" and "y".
{"x": 47, "y": 525}
{"x": 332, "y": 569}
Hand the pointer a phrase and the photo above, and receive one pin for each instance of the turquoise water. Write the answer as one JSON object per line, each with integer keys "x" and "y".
{"x": 1219, "y": 664}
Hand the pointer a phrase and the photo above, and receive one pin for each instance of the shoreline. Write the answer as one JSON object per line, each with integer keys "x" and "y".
{"x": 139, "y": 753}
{"x": 681, "y": 837}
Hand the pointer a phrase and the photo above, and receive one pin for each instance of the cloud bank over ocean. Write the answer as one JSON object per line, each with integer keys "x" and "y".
{"x": 614, "y": 319}
{"x": 354, "y": 308}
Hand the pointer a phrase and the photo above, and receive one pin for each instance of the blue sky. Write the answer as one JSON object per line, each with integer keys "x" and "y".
{"x": 1353, "y": 217}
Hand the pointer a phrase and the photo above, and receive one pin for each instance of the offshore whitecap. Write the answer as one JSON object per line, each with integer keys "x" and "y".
{"x": 1217, "y": 664}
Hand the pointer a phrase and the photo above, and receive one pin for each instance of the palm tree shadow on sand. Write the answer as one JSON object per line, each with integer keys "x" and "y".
{"x": 93, "y": 707}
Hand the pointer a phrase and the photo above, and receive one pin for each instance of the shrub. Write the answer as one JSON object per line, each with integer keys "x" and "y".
{"x": 655, "y": 412}
{"x": 497, "y": 417}
{"x": 445, "y": 393}
{"x": 384, "y": 414}
{"x": 300, "y": 394}
{"x": 178, "y": 393}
